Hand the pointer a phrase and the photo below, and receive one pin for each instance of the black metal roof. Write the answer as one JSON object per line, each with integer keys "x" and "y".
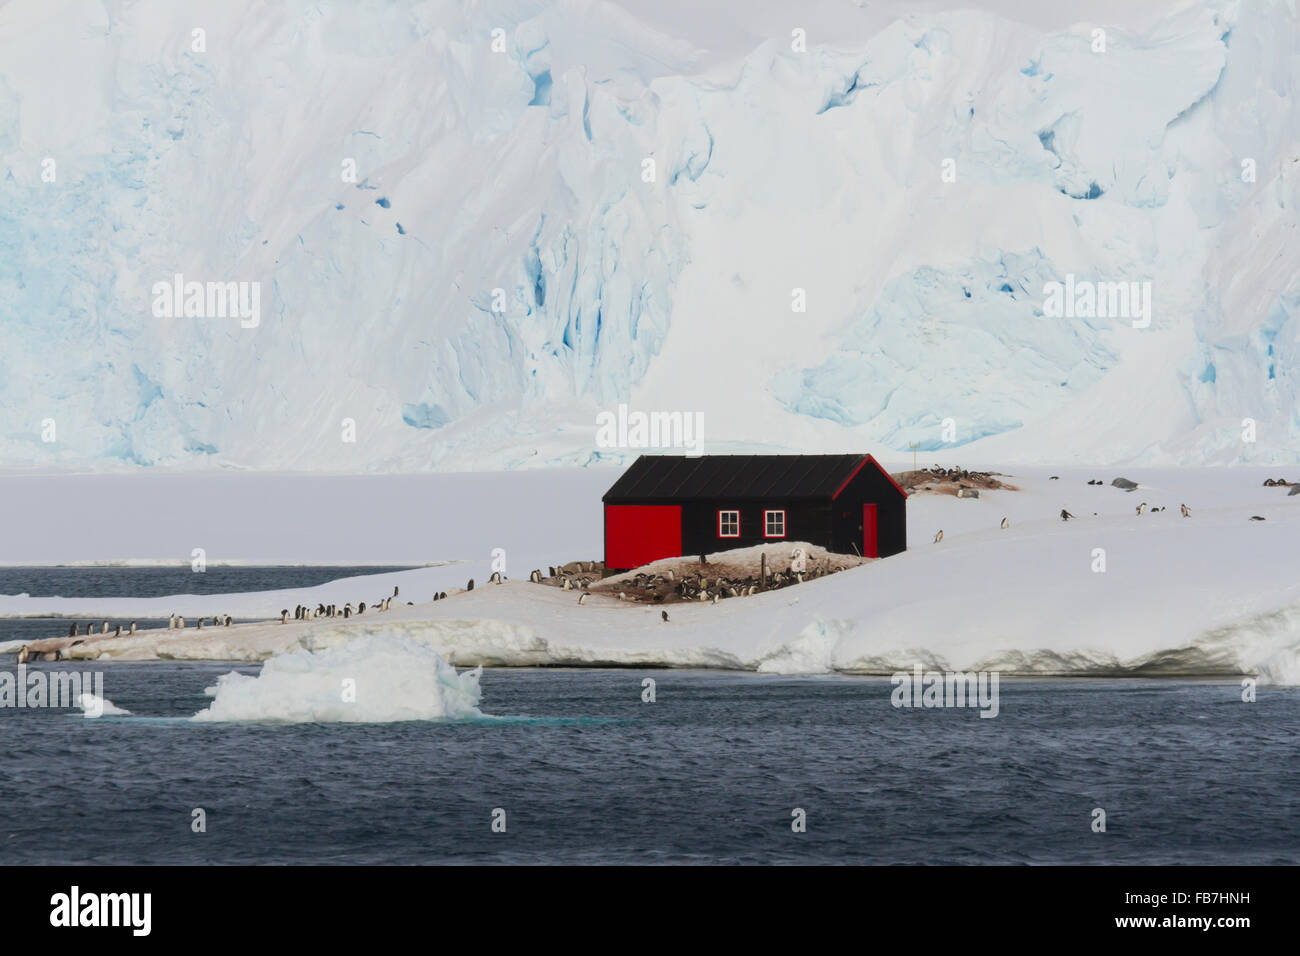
{"x": 674, "y": 477}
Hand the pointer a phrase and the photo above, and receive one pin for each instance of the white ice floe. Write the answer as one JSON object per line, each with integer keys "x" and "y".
{"x": 367, "y": 680}
{"x": 92, "y": 706}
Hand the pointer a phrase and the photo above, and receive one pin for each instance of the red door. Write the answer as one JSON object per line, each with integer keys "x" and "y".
{"x": 869, "y": 547}
{"x": 638, "y": 534}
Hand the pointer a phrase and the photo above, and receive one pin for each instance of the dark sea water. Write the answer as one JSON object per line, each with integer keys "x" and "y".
{"x": 709, "y": 773}
{"x": 161, "y": 581}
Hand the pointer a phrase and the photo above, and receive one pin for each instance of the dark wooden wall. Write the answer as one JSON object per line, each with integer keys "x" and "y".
{"x": 868, "y": 486}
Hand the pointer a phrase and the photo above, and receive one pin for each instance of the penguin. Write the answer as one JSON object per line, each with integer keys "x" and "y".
{"x": 200, "y": 624}
{"x": 442, "y": 595}
{"x": 496, "y": 578}
{"x": 105, "y": 630}
{"x": 361, "y": 608}
{"x": 535, "y": 577}
{"x": 180, "y": 623}
{"x": 117, "y": 632}
{"x": 664, "y": 615}
{"x": 133, "y": 627}
{"x": 715, "y": 597}
{"x": 470, "y": 586}
{"x": 1185, "y": 510}
{"x": 1141, "y": 507}
{"x": 582, "y": 599}
{"x": 567, "y": 585}
{"x": 1006, "y": 523}
{"x": 284, "y": 616}
{"x": 938, "y": 537}
{"x": 347, "y": 611}
{"x": 1054, "y": 478}
{"x": 1256, "y": 518}
{"x": 72, "y": 631}
{"x": 395, "y": 590}
{"x": 1065, "y": 515}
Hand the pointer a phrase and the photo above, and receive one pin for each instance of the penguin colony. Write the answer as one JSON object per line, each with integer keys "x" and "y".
{"x": 692, "y": 585}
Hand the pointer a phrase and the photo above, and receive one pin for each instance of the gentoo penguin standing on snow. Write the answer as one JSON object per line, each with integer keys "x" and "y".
{"x": 133, "y": 627}
{"x": 938, "y": 537}
{"x": 1006, "y": 523}
{"x": 284, "y": 616}
{"x": 1186, "y": 512}
{"x": 117, "y": 632}
{"x": 1142, "y": 507}
{"x": 72, "y": 631}
{"x": 1065, "y": 515}
{"x": 582, "y": 598}
{"x": 664, "y": 615}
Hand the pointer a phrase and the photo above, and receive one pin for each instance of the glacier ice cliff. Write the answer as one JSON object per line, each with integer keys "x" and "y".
{"x": 475, "y": 226}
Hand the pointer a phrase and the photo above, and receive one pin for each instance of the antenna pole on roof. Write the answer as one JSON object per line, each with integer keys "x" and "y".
{"x": 914, "y": 446}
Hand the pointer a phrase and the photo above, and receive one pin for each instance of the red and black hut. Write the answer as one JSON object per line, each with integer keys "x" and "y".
{"x": 666, "y": 506}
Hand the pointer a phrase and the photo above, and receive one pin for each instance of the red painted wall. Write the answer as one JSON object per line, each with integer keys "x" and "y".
{"x": 638, "y": 534}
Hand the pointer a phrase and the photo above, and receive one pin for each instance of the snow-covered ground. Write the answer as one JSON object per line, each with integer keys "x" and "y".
{"x": 1212, "y": 594}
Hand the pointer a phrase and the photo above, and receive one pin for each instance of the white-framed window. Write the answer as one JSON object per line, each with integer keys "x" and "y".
{"x": 728, "y": 524}
{"x": 774, "y": 524}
